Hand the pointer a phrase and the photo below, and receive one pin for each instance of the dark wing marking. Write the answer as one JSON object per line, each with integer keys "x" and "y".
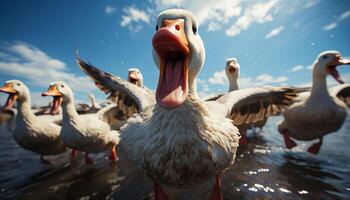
{"x": 129, "y": 97}
{"x": 253, "y": 105}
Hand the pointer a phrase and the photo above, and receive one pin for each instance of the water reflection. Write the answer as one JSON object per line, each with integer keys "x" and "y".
{"x": 263, "y": 169}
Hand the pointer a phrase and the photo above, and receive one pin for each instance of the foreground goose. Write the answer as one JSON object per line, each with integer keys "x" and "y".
{"x": 87, "y": 133}
{"x": 179, "y": 140}
{"x": 320, "y": 113}
{"x": 34, "y": 133}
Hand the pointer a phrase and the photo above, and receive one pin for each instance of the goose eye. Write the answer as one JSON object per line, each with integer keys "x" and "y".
{"x": 18, "y": 84}
{"x": 325, "y": 57}
{"x": 157, "y": 27}
{"x": 194, "y": 28}
{"x": 62, "y": 86}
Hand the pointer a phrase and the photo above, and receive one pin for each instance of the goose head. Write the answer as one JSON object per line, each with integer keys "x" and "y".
{"x": 232, "y": 69}
{"x": 179, "y": 54}
{"x": 16, "y": 90}
{"x": 327, "y": 62}
{"x": 135, "y": 77}
{"x": 61, "y": 93}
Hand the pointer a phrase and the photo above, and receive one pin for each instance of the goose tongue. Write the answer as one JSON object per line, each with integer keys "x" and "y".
{"x": 334, "y": 72}
{"x": 10, "y": 101}
{"x": 55, "y": 105}
{"x": 172, "y": 88}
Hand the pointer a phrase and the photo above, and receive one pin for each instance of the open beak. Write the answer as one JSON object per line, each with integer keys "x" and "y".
{"x": 57, "y": 99}
{"x": 132, "y": 78}
{"x": 8, "y": 88}
{"x": 232, "y": 69}
{"x": 171, "y": 45}
{"x": 332, "y": 68}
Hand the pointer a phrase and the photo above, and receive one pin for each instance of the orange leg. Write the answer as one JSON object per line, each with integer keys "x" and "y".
{"x": 44, "y": 161}
{"x": 288, "y": 141}
{"x": 114, "y": 156}
{"x": 73, "y": 155}
{"x": 216, "y": 195}
{"x": 315, "y": 148}
{"x": 88, "y": 160}
{"x": 159, "y": 193}
{"x": 243, "y": 140}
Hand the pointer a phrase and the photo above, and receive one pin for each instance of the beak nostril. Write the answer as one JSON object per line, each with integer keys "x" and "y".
{"x": 177, "y": 27}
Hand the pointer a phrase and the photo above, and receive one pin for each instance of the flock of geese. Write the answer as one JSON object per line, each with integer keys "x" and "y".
{"x": 178, "y": 139}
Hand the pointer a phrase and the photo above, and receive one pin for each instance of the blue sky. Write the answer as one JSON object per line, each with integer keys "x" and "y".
{"x": 275, "y": 41}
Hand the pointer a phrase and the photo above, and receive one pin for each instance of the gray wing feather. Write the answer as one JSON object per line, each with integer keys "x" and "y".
{"x": 110, "y": 84}
{"x": 252, "y": 105}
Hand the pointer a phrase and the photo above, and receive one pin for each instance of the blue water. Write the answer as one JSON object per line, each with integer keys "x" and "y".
{"x": 264, "y": 169}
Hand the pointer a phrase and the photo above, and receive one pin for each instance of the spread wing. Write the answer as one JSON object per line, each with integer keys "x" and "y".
{"x": 252, "y": 105}
{"x": 129, "y": 97}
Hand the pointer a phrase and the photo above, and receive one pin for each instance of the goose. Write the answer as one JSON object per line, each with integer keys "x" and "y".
{"x": 87, "y": 133}
{"x": 83, "y": 108}
{"x": 232, "y": 70}
{"x": 34, "y": 133}
{"x": 126, "y": 107}
{"x": 320, "y": 112}
{"x": 179, "y": 140}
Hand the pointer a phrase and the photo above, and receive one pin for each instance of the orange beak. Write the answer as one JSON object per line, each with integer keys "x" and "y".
{"x": 52, "y": 91}
{"x": 172, "y": 47}
{"x": 57, "y": 99}
{"x": 132, "y": 77}
{"x": 8, "y": 88}
{"x": 332, "y": 67}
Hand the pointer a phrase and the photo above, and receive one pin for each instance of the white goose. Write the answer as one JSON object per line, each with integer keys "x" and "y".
{"x": 125, "y": 107}
{"x": 232, "y": 69}
{"x": 35, "y": 133}
{"x": 87, "y": 133}
{"x": 177, "y": 138}
{"x": 319, "y": 113}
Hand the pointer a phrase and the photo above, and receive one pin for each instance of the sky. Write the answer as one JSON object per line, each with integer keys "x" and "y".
{"x": 275, "y": 41}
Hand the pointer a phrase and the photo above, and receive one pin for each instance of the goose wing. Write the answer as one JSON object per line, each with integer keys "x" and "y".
{"x": 130, "y": 98}
{"x": 252, "y": 105}
{"x": 341, "y": 91}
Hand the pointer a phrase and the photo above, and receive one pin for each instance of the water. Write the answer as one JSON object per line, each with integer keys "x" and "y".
{"x": 264, "y": 169}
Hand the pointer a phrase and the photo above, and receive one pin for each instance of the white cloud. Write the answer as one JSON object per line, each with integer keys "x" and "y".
{"x": 344, "y": 15}
{"x": 309, "y": 67}
{"x": 296, "y": 68}
{"x": 259, "y": 12}
{"x": 27, "y": 62}
{"x": 261, "y": 80}
{"x": 132, "y": 16}
{"x": 311, "y": 3}
{"x": 334, "y": 24}
{"x": 109, "y": 10}
{"x": 218, "y": 78}
{"x": 330, "y": 26}
{"x": 274, "y": 32}
{"x": 266, "y": 78}
{"x": 214, "y": 12}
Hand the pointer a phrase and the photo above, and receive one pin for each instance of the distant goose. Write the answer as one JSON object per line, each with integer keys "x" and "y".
{"x": 87, "y": 133}
{"x": 126, "y": 107}
{"x": 93, "y": 107}
{"x": 35, "y": 133}
{"x": 178, "y": 139}
{"x": 320, "y": 112}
